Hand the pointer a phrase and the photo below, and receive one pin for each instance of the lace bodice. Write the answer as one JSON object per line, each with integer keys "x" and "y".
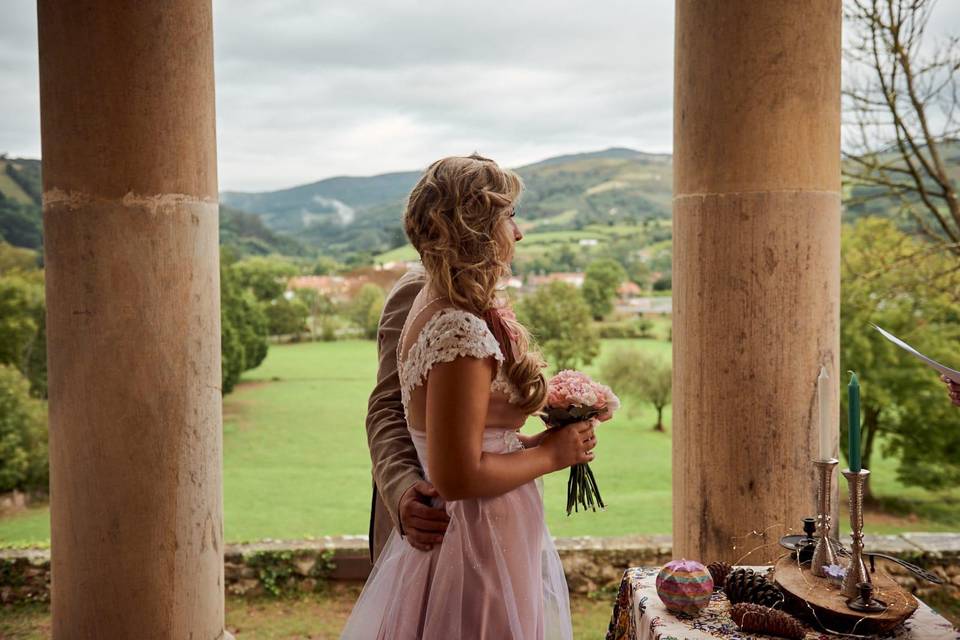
{"x": 451, "y": 334}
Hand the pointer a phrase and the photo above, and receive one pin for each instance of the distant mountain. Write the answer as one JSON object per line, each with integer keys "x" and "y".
{"x": 346, "y": 215}
{"x": 616, "y": 153}
{"x": 21, "y": 220}
{"x": 246, "y": 234}
{"x": 361, "y": 216}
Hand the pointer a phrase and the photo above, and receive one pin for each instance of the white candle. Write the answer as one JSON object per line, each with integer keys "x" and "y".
{"x": 826, "y": 433}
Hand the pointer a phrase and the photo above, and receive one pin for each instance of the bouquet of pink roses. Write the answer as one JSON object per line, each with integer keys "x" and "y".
{"x": 573, "y": 397}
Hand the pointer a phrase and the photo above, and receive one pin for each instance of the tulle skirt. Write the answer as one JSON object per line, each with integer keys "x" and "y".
{"x": 496, "y": 574}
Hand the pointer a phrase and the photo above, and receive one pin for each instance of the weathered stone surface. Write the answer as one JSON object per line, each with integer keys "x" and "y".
{"x": 305, "y": 565}
{"x": 756, "y": 267}
{"x": 934, "y": 543}
{"x": 895, "y": 545}
{"x": 591, "y": 564}
{"x": 133, "y": 318}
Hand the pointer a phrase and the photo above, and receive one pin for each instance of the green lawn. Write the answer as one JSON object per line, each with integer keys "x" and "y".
{"x": 296, "y": 462}
{"x": 314, "y": 398}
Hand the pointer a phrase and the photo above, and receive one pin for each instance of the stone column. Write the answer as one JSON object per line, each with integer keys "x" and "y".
{"x": 756, "y": 267}
{"x": 133, "y": 318}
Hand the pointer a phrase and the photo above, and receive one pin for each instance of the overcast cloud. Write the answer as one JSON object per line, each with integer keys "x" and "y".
{"x": 307, "y": 89}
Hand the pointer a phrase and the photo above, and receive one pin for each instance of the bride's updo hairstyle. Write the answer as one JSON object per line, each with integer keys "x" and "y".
{"x": 456, "y": 219}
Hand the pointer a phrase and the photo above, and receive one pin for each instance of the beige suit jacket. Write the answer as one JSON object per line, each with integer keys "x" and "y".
{"x": 395, "y": 464}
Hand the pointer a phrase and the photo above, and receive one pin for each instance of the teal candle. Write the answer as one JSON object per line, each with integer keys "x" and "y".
{"x": 853, "y": 394}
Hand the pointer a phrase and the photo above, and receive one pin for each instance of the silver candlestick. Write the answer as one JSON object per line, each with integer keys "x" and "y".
{"x": 823, "y": 553}
{"x": 857, "y": 570}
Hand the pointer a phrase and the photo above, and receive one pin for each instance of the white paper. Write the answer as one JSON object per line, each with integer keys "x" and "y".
{"x": 947, "y": 371}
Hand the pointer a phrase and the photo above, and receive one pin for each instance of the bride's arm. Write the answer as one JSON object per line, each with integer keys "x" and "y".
{"x": 458, "y": 393}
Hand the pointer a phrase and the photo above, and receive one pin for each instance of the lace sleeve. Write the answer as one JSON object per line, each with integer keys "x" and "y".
{"x": 448, "y": 335}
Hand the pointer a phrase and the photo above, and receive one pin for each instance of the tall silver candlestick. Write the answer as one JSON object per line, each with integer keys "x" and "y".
{"x": 823, "y": 553}
{"x": 857, "y": 570}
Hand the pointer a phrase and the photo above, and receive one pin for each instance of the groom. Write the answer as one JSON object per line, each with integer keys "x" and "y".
{"x": 400, "y": 494}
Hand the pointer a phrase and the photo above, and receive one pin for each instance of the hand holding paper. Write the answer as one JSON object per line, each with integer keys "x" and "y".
{"x": 953, "y": 389}
{"x": 946, "y": 372}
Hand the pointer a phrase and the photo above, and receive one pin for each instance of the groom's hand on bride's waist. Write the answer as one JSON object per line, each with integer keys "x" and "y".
{"x": 422, "y": 525}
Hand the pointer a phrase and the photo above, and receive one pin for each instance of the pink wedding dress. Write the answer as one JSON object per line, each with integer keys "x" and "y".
{"x": 497, "y": 574}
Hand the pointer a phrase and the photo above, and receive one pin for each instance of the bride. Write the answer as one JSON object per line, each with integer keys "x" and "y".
{"x": 469, "y": 379}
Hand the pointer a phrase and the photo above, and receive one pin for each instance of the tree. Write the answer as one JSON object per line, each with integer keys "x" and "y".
{"x": 325, "y": 265}
{"x": 909, "y": 288}
{"x": 365, "y": 308}
{"x": 600, "y": 286}
{"x": 901, "y": 95}
{"x": 266, "y": 277}
{"x": 22, "y": 326}
{"x": 554, "y": 259}
{"x": 633, "y": 373}
{"x": 16, "y": 258}
{"x": 663, "y": 283}
{"x": 20, "y": 224}
{"x": 286, "y": 317}
{"x": 559, "y": 319}
{"x": 626, "y": 252}
{"x": 320, "y": 306}
{"x": 23, "y": 435}
{"x": 232, "y": 364}
{"x": 243, "y": 326}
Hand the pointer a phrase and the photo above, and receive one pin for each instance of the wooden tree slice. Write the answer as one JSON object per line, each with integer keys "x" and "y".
{"x": 819, "y": 600}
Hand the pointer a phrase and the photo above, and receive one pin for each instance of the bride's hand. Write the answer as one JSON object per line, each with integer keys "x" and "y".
{"x": 570, "y": 445}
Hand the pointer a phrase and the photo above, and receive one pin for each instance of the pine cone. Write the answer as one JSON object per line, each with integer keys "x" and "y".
{"x": 719, "y": 571}
{"x": 760, "y": 619}
{"x": 746, "y": 585}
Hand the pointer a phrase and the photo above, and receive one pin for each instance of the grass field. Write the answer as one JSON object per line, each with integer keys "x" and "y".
{"x": 296, "y": 461}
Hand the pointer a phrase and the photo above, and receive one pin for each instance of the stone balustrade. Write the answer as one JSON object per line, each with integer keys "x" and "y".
{"x": 273, "y": 567}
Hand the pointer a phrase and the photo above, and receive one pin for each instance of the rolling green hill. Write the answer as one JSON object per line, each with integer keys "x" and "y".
{"x": 344, "y": 215}
{"x": 571, "y": 200}
{"x": 247, "y": 235}
{"x": 21, "y": 223}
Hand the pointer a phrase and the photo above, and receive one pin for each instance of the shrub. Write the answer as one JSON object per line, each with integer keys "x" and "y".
{"x": 23, "y": 434}
{"x": 365, "y": 308}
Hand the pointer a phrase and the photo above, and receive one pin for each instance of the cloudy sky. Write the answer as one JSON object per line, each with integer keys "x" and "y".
{"x": 308, "y": 89}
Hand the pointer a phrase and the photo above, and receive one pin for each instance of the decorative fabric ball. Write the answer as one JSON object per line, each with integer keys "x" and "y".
{"x": 685, "y": 586}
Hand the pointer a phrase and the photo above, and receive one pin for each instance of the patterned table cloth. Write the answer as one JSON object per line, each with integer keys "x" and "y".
{"x": 640, "y": 615}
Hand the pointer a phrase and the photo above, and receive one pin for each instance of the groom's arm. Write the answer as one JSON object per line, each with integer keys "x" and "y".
{"x": 395, "y": 464}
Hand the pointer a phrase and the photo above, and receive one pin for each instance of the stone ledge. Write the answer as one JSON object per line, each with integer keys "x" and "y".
{"x": 590, "y": 563}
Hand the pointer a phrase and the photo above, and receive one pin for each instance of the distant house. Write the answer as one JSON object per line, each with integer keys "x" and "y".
{"x": 398, "y": 265}
{"x": 340, "y": 288}
{"x": 628, "y": 290}
{"x": 570, "y": 277}
{"x": 334, "y": 287}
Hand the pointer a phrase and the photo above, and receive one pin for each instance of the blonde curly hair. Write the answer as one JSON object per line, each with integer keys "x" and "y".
{"x": 456, "y": 218}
